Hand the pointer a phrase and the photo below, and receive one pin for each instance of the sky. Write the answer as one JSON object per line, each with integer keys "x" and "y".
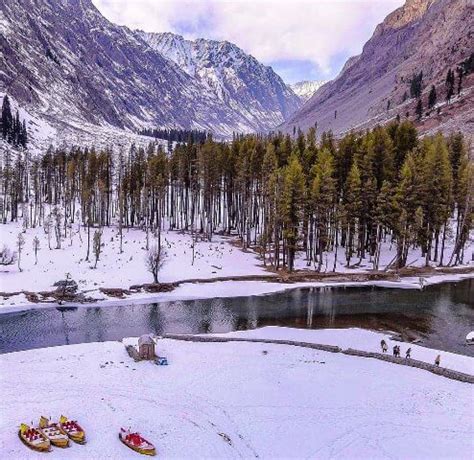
{"x": 300, "y": 39}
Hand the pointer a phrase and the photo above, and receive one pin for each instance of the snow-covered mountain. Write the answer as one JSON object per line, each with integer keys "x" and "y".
{"x": 75, "y": 71}
{"x": 305, "y": 89}
{"x": 237, "y": 79}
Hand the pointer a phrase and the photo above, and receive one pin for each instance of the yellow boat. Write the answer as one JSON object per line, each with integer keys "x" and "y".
{"x": 53, "y": 432}
{"x": 33, "y": 438}
{"x": 136, "y": 442}
{"x": 72, "y": 429}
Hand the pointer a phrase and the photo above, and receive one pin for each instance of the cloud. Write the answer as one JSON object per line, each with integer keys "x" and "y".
{"x": 274, "y": 31}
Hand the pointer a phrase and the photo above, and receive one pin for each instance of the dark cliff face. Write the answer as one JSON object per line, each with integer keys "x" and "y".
{"x": 423, "y": 35}
{"x": 64, "y": 61}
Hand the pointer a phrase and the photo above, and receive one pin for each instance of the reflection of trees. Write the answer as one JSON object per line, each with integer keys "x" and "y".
{"x": 65, "y": 328}
{"x": 94, "y": 325}
{"x": 155, "y": 320}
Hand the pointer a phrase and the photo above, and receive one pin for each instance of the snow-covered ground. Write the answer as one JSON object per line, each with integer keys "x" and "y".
{"x": 219, "y": 258}
{"x": 359, "y": 339}
{"x": 238, "y": 400}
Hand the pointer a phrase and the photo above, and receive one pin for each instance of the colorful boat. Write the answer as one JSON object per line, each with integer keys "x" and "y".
{"x": 136, "y": 442}
{"x": 53, "y": 432}
{"x": 33, "y": 438}
{"x": 72, "y": 429}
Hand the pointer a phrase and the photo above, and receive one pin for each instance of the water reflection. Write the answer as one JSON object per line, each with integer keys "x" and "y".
{"x": 440, "y": 315}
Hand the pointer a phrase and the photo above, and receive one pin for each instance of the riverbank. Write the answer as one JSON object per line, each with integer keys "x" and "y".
{"x": 193, "y": 270}
{"x": 232, "y": 286}
{"x": 234, "y": 400}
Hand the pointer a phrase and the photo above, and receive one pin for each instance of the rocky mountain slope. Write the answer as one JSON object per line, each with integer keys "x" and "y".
{"x": 429, "y": 36}
{"x": 305, "y": 89}
{"x": 75, "y": 71}
{"x": 237, "y": 79}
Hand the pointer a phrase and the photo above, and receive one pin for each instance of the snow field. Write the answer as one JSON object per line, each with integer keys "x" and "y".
{"x": 234, "y": 400}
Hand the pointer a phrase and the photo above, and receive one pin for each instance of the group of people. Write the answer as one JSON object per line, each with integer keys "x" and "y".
{"x": 396, "y": 352}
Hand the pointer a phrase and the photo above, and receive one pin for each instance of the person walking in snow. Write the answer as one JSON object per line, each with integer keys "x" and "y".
{"x": 438, "y": 360}
{"x": 383, "y": 344}
{"x": 395, "y": 350}
{"x": 408, "y": 354}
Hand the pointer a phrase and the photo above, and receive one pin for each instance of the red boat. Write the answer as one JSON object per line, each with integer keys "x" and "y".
{"x": 136, "y": 442}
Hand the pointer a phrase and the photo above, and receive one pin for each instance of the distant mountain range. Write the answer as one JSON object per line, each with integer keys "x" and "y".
{"x": 236, "y": 79}
{"x": 305, "y": 89}
{"x": 78, "y": 78}
{"x": 76, "y": 73}
{"x": 423, "y": 36}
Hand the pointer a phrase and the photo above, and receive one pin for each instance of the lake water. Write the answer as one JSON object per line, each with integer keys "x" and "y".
{"x": 440, "y": 315}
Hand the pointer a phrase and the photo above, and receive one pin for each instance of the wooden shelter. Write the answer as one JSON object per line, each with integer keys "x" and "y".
{"x": 146, "y": 347}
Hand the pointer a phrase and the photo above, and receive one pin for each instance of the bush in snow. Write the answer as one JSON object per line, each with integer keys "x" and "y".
{"x": 7, "y": 256}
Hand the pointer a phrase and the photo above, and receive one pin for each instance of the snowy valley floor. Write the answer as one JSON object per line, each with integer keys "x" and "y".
{"x": 216, "y": 259}
{"x": 241, "y": 400}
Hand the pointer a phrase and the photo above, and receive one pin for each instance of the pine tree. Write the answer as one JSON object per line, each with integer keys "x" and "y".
{"x": 460, "y": 79}
{"x": 292, "y": 200}
{"x": 416, "y": 85}
{"x": 323, "y": 195}
{"x": 432, "y": 97}
{"x": 419, "y": 109}
{"x": 450, "y": 85}
{"x": 352, "y": 207}
{"x": 7, "y": 118}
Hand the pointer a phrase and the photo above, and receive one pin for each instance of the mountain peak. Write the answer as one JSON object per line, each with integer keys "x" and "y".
{"x": 233, "y": 76}
{"x": 408, "y": 13}
{"x": 306, "y": 88}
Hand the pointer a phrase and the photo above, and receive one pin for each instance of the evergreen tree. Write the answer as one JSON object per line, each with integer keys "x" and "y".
{"x": 293, "y": 199}
{"x": 419, "y": 109}
{"x": 450, "y": 79}
{"x": 352, "y": 208}
{"x": 7, "y": 118}
{"x": 416, "y": 85}
{"x": 432, "y": 97}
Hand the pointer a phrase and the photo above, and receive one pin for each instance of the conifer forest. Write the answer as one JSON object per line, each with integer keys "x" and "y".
{"x": 282, "y": 195}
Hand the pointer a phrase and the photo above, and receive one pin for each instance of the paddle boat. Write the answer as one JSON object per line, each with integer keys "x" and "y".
{"x": 53, "y": 432}
{"x": 72, "y": 429}
{"x": 136, "y": 442}
{"x": 33, "y": 438}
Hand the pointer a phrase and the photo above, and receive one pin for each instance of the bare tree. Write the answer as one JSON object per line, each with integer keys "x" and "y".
{"x": 58, "y": 216}
{"x": 36, "y": 248}
{"x": 97, "y": 245}
{"x": 7, "y": 256}
{"x": 20, "y": 243}
{"x": 48, "y": 228}
{"x": 155, "y": 259}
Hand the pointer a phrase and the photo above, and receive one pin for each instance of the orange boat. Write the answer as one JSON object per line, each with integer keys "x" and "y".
{"x": 33, "y": 438}
{"x": 53, "y": 432}
{"x": 72, "y": 429}
{"x": 136, "y": 442}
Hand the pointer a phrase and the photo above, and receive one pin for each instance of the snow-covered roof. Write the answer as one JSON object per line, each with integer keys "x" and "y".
{"x": 146, "y": 339}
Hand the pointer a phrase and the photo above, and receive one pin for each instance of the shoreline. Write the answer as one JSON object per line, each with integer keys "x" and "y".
{"x": 245, "y": 286}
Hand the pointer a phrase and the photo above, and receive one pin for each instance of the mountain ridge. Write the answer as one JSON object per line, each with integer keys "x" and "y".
{"x": 67, "y": 65}
{"x": 428, "y": 36}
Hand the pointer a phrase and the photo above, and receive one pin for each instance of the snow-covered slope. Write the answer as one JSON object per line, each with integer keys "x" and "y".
{"x": 236, "y": 400}
{"x": 237, "y": 79}
{"x": 73, "y": 70}
{"x": 305, "y": 89}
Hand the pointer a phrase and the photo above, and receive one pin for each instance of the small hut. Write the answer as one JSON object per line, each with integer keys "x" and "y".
{"x": 146, "y": 347}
